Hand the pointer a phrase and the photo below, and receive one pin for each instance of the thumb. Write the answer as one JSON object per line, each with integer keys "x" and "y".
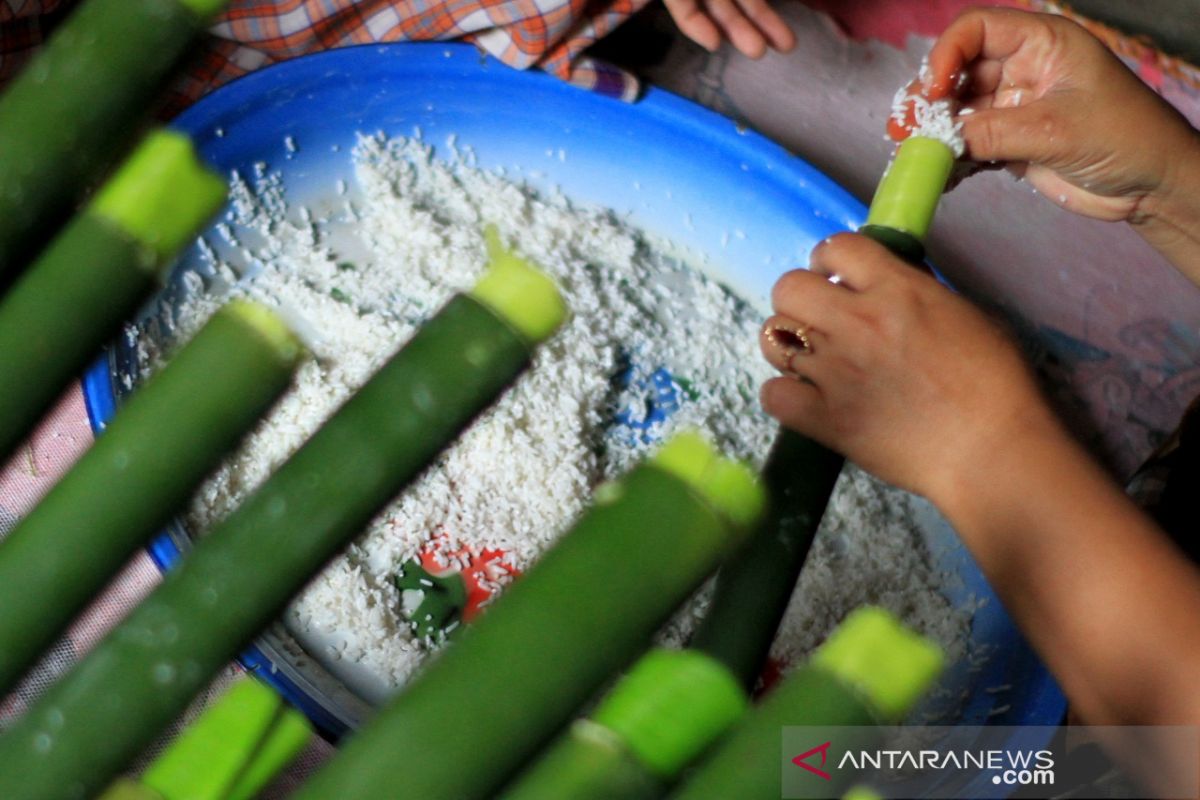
{"x": 1014, "y": 133}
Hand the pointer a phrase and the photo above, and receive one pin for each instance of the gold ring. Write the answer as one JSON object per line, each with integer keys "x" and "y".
{"x": 801, "y": 335}
{"x": 791, "y": 341}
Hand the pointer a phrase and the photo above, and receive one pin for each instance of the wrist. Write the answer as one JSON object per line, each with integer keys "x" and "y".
{"x": 1094, "y": 585}
{"x": 991, "y": 472}
{"x": 1168, "y": 218}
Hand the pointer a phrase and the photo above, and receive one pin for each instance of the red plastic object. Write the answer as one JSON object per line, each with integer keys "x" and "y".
{"x": 485, "y": 571}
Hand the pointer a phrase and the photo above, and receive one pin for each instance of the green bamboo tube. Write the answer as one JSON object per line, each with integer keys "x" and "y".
{"x": 588, "y": 762}
{"x": 670, "y": 707}
{"x": 171, "y": 433}
{"x": 902, "y": 244}
{"x": 753, "y": 590}
{"x": 871, "y": 670}
{"x": 129, "y": 789}
{"x": 515, "y": 677}
{"x": 240, "y": 576}
{"x": 233, "y": 750}
{"x": 862, "y": 793}
{"x": 659, "y": 718}
{"x": 902, "y": 209}
{"x": 754, "y": 587}
{"x": 96, "y": 273}
{"x": 78, "y": 104}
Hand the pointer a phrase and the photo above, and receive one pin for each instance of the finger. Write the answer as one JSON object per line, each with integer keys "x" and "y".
{"x": 983, "y": 79}
{"x": 1016, "y": 133}
{"x": 987, "y": 33}
{"x": 830, "y": 276}
{"x": 856, "y": 261}
{"x": 739, "y": 30}
{"x": 1017, "y": 169}
{"x": 810, "y": 298}
{"x": 798, "y": 405}
{"x": 778, "y": 35}
{"x": 1049, "y": 183}
{"x": 694, "y": 23}
{"x": 1061, "y": 192}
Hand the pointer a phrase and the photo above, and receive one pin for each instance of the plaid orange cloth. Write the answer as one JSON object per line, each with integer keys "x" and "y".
{"x": 550, "y": 35}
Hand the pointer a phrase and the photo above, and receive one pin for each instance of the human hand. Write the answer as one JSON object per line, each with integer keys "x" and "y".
{"x": 750, "y": 25}
{"x": 1048, "y": 98}
{"x": 903, "y": 377}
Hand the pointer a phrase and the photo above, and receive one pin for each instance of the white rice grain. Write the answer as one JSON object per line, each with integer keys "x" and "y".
{"x": 362, "y": 278}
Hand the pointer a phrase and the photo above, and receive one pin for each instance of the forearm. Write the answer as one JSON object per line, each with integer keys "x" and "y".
{"x": 1170, "y": 219}
{"x": 1109, "y": 604}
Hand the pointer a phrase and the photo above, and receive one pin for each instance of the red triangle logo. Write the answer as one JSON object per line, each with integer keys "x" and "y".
{"x": 802, "y": 760}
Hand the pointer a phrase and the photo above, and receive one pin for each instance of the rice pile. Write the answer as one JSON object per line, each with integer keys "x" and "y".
{"x": 648, "y": 337}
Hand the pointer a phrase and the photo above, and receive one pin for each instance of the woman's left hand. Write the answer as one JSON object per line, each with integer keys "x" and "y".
{"x": 892, "y": 369}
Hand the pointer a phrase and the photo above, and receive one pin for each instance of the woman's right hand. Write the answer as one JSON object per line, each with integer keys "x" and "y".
{"x": 1051, "y": 101}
